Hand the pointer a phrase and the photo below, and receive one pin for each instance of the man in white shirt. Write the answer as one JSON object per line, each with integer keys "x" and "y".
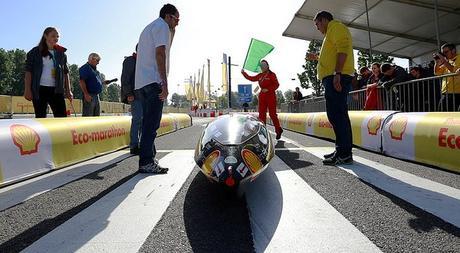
{"x": 151, "y": 81}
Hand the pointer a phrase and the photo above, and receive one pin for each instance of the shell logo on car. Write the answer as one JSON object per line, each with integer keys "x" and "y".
{"x": 25, "y": 138}
{"x": 398, "y": 128}
{"x": 373, "y": 125}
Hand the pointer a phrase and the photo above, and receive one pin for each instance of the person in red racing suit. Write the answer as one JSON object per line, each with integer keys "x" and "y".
{"x": 267, "y": 97}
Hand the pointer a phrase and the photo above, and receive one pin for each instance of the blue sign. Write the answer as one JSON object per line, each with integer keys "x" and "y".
{"x": 245, "y": 93}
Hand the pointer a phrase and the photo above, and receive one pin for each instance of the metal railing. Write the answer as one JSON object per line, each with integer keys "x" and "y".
{"x": 419, "y": 95}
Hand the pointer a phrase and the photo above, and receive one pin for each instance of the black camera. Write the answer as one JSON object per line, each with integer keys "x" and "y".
{"x": 436, "y": 57}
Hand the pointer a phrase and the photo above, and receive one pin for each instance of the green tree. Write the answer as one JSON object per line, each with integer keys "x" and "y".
{"x": 280, "y": 97}
{"x": 18, "y": 59}
{"x": 103, "y": 96}
{"x": 6, "y": 72}
{"x": 75, "y": 81}
{"x": 289, "y": 95}
{"x": 113, "y": 92}
{"x": 364, "y": 59}
{"x": 175, "y": 100}
{"x": 308, "y": 77}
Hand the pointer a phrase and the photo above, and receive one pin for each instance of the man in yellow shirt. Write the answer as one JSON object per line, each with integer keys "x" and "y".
{"x": 446, "y": 63}
{"x": 335, "y": 70}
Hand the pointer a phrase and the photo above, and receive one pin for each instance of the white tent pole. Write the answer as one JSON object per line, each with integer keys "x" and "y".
{"x": 369, "y": 32}
{"x": 436, "y": 20}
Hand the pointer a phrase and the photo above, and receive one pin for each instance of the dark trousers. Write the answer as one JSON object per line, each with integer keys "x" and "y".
{"x": 93, "y": 108}
{"x": 337, "y": 113}
{"x": 152, "y": 110}
{"x": 449, "y": 102}
{"x": 47, "y": 96}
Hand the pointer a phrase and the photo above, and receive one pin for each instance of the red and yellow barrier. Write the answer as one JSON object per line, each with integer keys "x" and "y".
{"x": 430, "y": 138}
{"x": 29, "y": 147}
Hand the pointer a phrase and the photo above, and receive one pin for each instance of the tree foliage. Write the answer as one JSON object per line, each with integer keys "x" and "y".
{"x": 12, "y": 66}
{"x": 289, "y": 95}
{"x": 365, "y": 60}
{"x": 280, "y": 97}
{"x": 308, "y": 78}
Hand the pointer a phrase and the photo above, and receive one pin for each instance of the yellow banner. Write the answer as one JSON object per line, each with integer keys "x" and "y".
{"x": 5, "y": 104}
{"x": 21, "y": 105}
{"x": 322, "y": 127}
{"x": 182, "y": 120}
{"x": 166, "y": 125}
{"x": 297, "y": 122}
{"x": 437, "y": 140}
{"x": 78, "y": 139}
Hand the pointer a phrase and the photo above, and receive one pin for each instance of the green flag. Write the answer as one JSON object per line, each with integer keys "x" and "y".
{"x": 256, "y": 52}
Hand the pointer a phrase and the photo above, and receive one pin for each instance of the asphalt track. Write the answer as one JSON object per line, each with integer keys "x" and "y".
{"x": 298, "y": 205}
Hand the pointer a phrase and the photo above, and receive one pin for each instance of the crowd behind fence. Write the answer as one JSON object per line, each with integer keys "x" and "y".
{"x": 419, "y": 95}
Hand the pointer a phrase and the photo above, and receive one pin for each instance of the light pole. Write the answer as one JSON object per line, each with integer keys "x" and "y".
{"x": 230, "y": 81}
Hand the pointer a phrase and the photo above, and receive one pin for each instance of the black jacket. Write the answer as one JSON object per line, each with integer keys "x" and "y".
{"x": 34, "y": 65}
{"x": 127, "y": 78}
{"x": 399, "y": 75}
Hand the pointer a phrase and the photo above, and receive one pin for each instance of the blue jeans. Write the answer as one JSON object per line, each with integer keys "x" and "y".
{"x": 152, "y": 109}
{"x": 337, "y": 113}
{"x": 136, "y": 122}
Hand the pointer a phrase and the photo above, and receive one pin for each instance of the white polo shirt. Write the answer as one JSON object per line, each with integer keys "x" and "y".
{"x": 154, "y": 35}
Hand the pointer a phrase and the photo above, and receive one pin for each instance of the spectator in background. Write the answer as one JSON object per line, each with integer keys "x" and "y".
{"x": 445, "y": 63}
{"x": 416, "y": 73}
{"x": 394, "y": 74}
{"x": 376, "y": 74}
{"x": 374, "y": 96}
{"x": 364, "y": 75}
{"x": 47, "y": 76}
{"x": 128, "y": 97}
{"x": 91, "y": 86}
{"x": 297, "y": 95}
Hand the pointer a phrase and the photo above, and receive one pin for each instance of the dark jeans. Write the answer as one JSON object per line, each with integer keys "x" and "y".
{"x": 337, "y": 113}
{"x": 152, "y": 109}
{"x": 136, "y": 122}
{"x": 47, "y": 96}
{"x": 447, "y": 103}
{"x": 92, "y": 108}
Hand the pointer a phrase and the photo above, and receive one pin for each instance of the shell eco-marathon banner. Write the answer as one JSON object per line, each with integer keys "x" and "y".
{"x": 29, "y": 147}
{"x": 430, "y": 138}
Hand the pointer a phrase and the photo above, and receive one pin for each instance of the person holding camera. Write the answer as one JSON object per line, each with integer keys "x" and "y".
{"x": 446, "y": 62}
{"x": 91, "y": 86}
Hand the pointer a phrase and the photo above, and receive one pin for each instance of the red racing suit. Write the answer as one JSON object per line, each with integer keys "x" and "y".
{"x": 267, "y": 100}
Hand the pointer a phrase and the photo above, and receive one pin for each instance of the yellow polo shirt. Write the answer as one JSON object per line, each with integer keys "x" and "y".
{"x": 337, "y": 40}
{"x": 450, "y": 84}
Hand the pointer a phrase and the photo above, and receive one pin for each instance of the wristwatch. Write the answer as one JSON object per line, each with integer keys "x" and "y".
{"x": 337, "y": 73}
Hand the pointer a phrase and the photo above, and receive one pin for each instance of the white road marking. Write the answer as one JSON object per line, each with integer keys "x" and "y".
{"x": 22, "y": 191}
{"x": 287, "y": 215}
{"x": 122, "y": 220}
{"x": 438, "y": 199}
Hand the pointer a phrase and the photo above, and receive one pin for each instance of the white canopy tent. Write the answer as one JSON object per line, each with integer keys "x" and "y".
{"x": 412, "y": 29}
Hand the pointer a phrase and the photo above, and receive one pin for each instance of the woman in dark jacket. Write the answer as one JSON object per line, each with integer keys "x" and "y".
{"x": 47, "y": 76}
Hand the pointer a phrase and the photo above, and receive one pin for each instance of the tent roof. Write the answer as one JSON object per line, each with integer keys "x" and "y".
{"x": 402, "y": 28}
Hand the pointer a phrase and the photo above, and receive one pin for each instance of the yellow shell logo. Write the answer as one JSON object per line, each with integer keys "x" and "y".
{"x": 251, "y": 160}
{"x": 397, "y": 128}
{"x": 25, "y": 138}
{"x": 373, "y": 125}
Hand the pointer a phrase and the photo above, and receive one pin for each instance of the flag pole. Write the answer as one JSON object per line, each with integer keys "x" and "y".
{"x": 247, "y": 53}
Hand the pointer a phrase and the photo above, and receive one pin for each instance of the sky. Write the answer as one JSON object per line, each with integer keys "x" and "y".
{"x": 207, "y": 29}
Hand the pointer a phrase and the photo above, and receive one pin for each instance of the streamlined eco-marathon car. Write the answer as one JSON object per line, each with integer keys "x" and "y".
{"x": 233, "y": 149}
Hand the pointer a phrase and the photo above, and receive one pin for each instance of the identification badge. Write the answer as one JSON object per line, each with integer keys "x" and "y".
{"x": 53, "y": 73}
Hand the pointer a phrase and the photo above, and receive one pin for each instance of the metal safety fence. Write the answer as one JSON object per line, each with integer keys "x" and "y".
{"x": 431, "y": 94}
